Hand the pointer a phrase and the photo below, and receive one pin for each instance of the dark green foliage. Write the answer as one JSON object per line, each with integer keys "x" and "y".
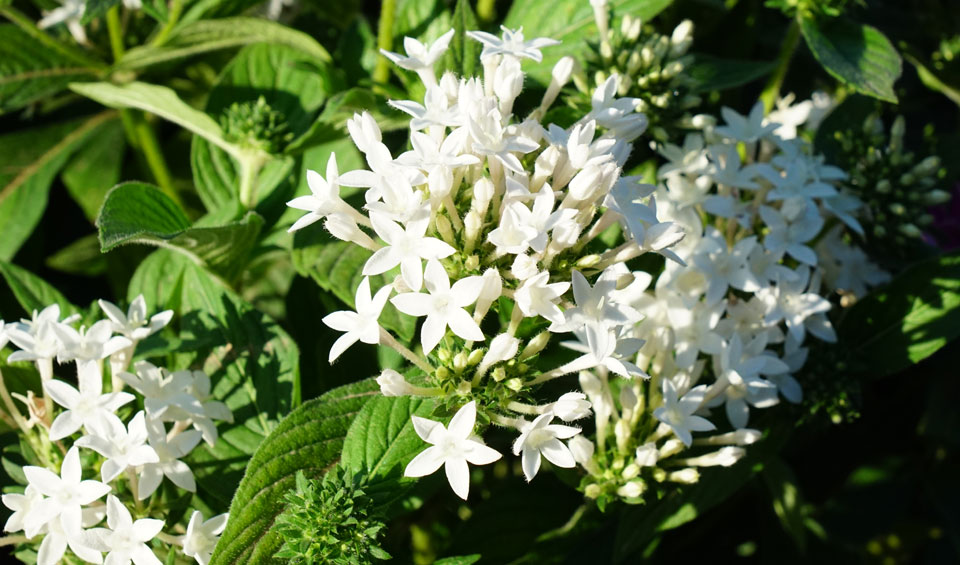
{"x": 329, "y": 521}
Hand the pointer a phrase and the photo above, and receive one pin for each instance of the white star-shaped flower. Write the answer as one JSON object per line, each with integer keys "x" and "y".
{"x": 201, "y": 537}
{"x": 166, "y": 395}
{"x": 88, "y": 344}
{"x": 83, "y": 406}
{"x": 169, "y": 453}
{"x": 678, "y": 413}
{"x": 451, "y": 447}
{"x": 67, "y": 494}
{"x": 511, "y": 43}
{"x": 135, "y": 325}
{"x": 324, "y": 198}
{"x": 421, "y": 58}
{"x": 538, "y": 297}
{"x": 444, "y": 306}
{"x": 122, "y": 446}
{"x": 406, "y": 247}
{"x": 360, "y": 325}
{"x": 540, "y": 437}
{"x": 124, "y": 539}
{"x": 747, "y": 129}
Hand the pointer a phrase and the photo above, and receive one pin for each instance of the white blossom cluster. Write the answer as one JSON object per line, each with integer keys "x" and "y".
{"x": 59, "y": 507}
{"x": 490, "y": 215}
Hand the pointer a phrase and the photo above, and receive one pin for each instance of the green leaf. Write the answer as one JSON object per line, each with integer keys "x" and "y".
{"x": 332, "y": 122}
{"x": 849, "y": 115}
{"x": 158, "y": 278}
{"x": 31, "y": 71}
{"x": 464, "y": 52}
{"x": 381, "y": 441}
{"x": 158, "y": 100}
{"x": 856, "y": 54}
{"x": 140, "y": 213}
{"x": 82, "y": 257}
{"x": 787, "y": 503}
{"x": 95, "y": 169}
{"x": 29, "y": 162}
{"x": 253, "y": 367}
{"x": 459, "y": 560}
{"x": 907, "y": 320}
{"x": 715, "y": 73}
{"x": 337, "y": 266}
{"x": 203, "y": 36}
{"x": 310, "y": 440}
{"x": 32, "y": 292}
{"x": 570, "y": 21}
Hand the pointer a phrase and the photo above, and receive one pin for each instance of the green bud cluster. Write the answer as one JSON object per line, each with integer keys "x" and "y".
{"x": 329, "y": 521}
{"x": 896, "y": 186}
{"x": 256, "y": 125}
{"x": 652, "y": 68}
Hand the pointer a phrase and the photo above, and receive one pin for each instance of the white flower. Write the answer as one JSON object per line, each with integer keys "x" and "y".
{"x": 540, "y": 437}
{"x": 746, "y": 128}
{"x": 324, "y": 198}
{"x": 723, "y": 267}
{"x": 443, "y": 306}
{"x": 741, "y": 371}
{"x": 435, "y": 111}
{"x": 67, "y": 494}
{"x": 647, "y": 454}
{"x": 421, "y": 58}
{"x": 169, "y": 452}
{"x": 22, "y": 505}
{"x": 791, "y": 236}
{"x": 511, "y": 43}
{"x": 70, "y": 12}
{"x": 360, "y": 325}
{"x": 83, "y": 406}
{"x": 85, "y": 345}
{"x": 126, "y": 540}
{"x": 571, "y": 406}
{"x": 122, "y": 446}
{"x": 201, "y": 537}
{"x": 405, "y": 247}
{"x": 538, "y": 297}
{"x": 392, "y": 383}
{"x": 135, "y": 325}
{"x": 502, "y": 348}
{"x": 451, "y": 447}
{"x": 791, "y": 302}
{"x": 56, "y": 540}
{"x": 596, "y": 309}
{"x": 211, "y": 409}
{"x": 165, "y": 394}
{"x": 678, "y": 413}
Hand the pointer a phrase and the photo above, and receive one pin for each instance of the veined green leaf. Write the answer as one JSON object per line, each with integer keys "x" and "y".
{"x": 309, "y": 440}
{"x": 158, "y": 100}
{"x": 907, "y": 320}
{"x": 31, "y": 71}
{"x": 140, "y": 213}
{"x": 32, "y": 292}
{"x": 715, "y": 73}
{"x": 29, "y": 162}
{"x": 855, "y": 54}
{"x": 570, "y": 21}
{"x": 194, "y": 38}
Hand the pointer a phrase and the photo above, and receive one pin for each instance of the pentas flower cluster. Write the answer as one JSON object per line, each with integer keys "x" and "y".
{"x": 125, "y": 452}
{"x": 493, "y": 219}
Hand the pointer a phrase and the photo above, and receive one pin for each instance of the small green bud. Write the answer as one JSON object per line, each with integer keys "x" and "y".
{"x": 897, "y": 209}
{"x": 472, "y": 263}
{"x": 460, "y": 362}
{"x": 475, "y": 357}
{"x": 588, "y": 261}
{"x": 630, "y": 471}
{"x": 535, "y": 345}
{"x": 910, "y": 230}
{"x": 884, "y": 186}
{"x": 592, "y": 490}
{"x": 442, "y": 373}
{"x": 514, "y": 384}
{"x": 499, "y": 374}
{"x": 935, "y": 197}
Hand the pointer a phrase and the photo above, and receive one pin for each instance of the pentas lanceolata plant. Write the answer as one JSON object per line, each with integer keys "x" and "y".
{"x": 510, "y": 233}
{"x": 98, "y": 454}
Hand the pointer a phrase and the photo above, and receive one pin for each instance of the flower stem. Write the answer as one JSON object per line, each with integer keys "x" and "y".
{"x": 11, "y": 540}
{"x": 486, "y": 10}
{"x": 116, "y": 33}
{"x": 176, "y": 9}
{"x": 150, "y": 147}
{"x": 12, "y": 408}
{"x": 387, "y": 339}
{"x": 250, "y": 166}
{"x": 388, "y": 13}
{"x": 772, "y": 89}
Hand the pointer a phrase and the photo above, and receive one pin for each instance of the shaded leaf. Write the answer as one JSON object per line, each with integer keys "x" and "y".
{"x": 715, "y": 73}
{"x": 95, "y": 168}
{"x": 32, "y": 292}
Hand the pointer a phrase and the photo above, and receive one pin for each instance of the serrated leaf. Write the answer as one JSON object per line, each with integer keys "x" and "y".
{"x": 194, "y": 38}
{"x": 158, "y": 100}
{"x": 337, "y": 266}
{"x": 381, "y": 441}
{"x": 856, "y": 54}
{"x": 32, "y": 292}
{"x": 715, "y": 73}
{"x": 140, "y": 213}
{"x": 31, "y": 71}
{"x": 907, "y": 320}
{"x": 570, "y": 21}
{"x": 310, "y": 440}
{"x": 29, "y": 162}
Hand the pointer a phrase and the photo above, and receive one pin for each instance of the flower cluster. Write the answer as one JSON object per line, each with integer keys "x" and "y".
{"x": 95, "y": 429}
{"x": 653, "y": 68}
{"x": 494, "y": 220}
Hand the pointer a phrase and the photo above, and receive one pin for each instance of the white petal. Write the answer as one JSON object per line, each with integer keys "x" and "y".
{"x": 461, "y": 425}
{"x": 458, "y": 475}
{"x": 425, "y": 463}
{"x": 558, "y": 454}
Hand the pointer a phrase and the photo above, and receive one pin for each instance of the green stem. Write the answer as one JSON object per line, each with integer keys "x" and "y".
{"x": 27, "y": 25}
{"x": 772, "y": 89}
{"x": 250, "y": 165}
{"x": 147, "y": 139}
{"x": 486, "y": 10}
{"x": 388, "y": 13}
{"x": 176, "y": 9}
{"x": 116, "y": 32}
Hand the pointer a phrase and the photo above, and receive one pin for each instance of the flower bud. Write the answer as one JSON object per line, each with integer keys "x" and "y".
{"x": 483, "y": 191}
{"x": 524, "y": 267}
{"x": 684, "y": 476}
{"x": 633, "y": 489}
{"x": 630, "y": 471}
{"x": 743, "y": 436}
{"x": 460, "y": 361}
{"x": 582, "y": 449}
{"x": 502, "y": 348}
{"x": 571, "y": 406}
{"x": 671, "y": 447}
{"x": 472, "y": 263}
{"x": 647, "y": 454}
{"x": 535, "y": 345}
{"x": 936, "y": 197}
{"x": 475, "y": 356}
{"x": 725, "y": 457}
{"x": 392, "y": 383}
{"x": 445, "y": 229}
{"x": 492, "y": 290}
{"x": 592, "y": 490}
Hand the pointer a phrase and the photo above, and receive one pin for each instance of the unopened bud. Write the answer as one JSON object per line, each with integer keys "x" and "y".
{"x": 633, "y": 489}
{"x": 588, "y": 261}
{"x": 684, "y": 476}
{"x": 475, "y": 356}
{"x": 910, "y": 230}
{"x": 472, "y": 263}
{"x": 630, "y": 471}
{"x": 593, "y": 491}
{"x": 392, "y": 383}
{"x": 445, "y": 229}
{"x": 460, "y": 361}
{"x": 936, "y": 197}
{"x": 725, "y": 457}
{"x": 671, "y": 447}
{"x": 535, "y": 345}
{"x": 514, "y": 384}
{"x": 647, "y": 454}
